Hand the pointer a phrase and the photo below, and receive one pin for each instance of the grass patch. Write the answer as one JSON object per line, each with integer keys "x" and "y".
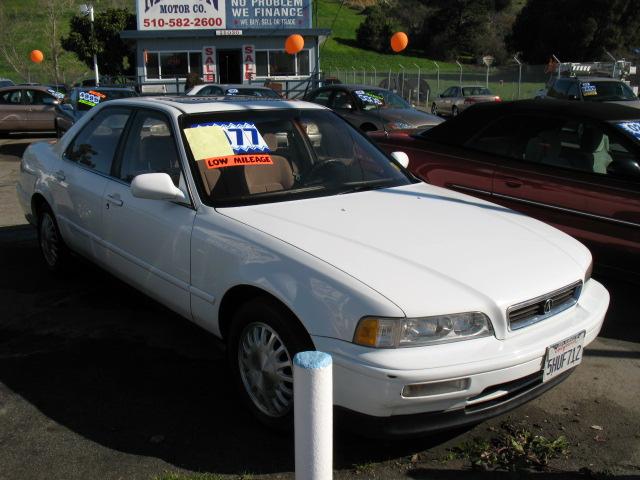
{"x": 514, "y": 448}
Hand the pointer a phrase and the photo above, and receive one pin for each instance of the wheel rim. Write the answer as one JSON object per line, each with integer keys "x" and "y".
{"x": 434, "y": 109}
{"x": 266, "y": 369}
{"x": 49, "y": 242}
{"x": 455, "y": 111}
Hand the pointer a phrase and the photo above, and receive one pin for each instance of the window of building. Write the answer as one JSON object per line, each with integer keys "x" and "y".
{"x": 274, "y": 63}
{"x": 169, "y": 65}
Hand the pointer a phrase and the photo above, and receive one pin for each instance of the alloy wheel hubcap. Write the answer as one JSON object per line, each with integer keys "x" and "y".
{"x": 266, "y": 369}
{"x": 49, "y": 240}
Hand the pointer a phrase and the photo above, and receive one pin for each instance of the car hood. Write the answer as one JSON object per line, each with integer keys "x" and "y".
{"x": 413, "y": 117}
{"x": 628, "y": 103}
{"x": 428, "y": 250}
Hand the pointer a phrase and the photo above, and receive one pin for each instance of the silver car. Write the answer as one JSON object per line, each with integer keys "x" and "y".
{"x": 372, "y": 108}
{"x": 455, "y": 99}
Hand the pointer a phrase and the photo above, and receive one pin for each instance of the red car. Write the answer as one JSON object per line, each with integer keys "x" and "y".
{"x": 575, "y": 165}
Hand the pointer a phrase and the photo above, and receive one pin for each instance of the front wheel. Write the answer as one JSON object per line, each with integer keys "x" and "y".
{"x": 52, "y": 246}
{"x": 434, "y": 109}
{"x": 262, "y": 342}
{"x": 454, "y": 111}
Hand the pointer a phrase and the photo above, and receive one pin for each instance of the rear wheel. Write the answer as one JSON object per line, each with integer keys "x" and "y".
{"x": 52, "y": 246}
{"x": 454, "y": 111}
{"x": 262, "y": 342}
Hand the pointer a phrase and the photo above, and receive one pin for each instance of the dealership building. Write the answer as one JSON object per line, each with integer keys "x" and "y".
{"x": 224, "y": 41}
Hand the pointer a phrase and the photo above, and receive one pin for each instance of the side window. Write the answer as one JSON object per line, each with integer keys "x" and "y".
{"x": 12, "y": 97}
{"x": 150, "y": 148}
{"x": 559, "y": 88}
{"x": 95, "y": 146}
{"x": 447, "y": 92}
{"x": 455, "y": 92}
{"x": 498, "y": 138}
{"x": 322, "y": 97}
{"x": 572, "y": 93}
{"x": 574, "y": 144}
{"x": 341, "y": 100}
{"x": 36, "y": 97}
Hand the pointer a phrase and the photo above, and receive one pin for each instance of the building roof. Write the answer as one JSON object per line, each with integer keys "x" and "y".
{"x": 211, "y": 33}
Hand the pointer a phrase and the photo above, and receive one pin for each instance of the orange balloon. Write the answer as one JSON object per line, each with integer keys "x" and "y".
{"x": 399, "y": 41}
{"x": 294, "y": 43}
{"x": 36, "y": 56}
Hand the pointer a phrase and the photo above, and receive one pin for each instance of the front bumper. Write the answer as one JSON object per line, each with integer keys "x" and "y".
{"x": 404, "y": 426}
{"x": 369, "y": 382}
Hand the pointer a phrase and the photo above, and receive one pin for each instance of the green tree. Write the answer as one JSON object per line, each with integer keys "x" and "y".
{"x": 375, "y": 31}
{"x": 575, "y": 30}
{"x": 115, "y": 56}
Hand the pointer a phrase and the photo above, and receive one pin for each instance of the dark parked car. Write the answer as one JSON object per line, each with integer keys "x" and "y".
{"x": 82, "y": 99}
{"x": 371, "y": 108}
{"x": 248, "y": 90}
{"x": 26, "y": 108}
{"x": 575, "y": 165}
{"x": 5, "y": 82}
{"x": 590, "y": 89}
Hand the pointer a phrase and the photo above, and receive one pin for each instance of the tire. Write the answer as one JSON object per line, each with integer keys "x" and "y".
{"x": 434, "y": 109}
{"x": 264, "y": 334}
{"x": 454, "y": 111}
{"x": 52, "y": 247}
{"x": 59, "y": 131}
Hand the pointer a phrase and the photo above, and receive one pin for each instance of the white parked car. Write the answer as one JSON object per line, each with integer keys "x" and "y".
{"x": 279, "y": 227}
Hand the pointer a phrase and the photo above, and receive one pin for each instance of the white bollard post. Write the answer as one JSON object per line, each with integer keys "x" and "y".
{"x": 313, "y": 415}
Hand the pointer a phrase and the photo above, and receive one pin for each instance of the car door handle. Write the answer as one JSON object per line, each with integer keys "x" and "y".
{"x": 59, "y": 175}
{"x": 115, "y": 199}
{"x": 513, "y": 182}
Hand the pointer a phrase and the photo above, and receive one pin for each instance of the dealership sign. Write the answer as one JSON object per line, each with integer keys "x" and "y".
{"x": 222, "y": 14}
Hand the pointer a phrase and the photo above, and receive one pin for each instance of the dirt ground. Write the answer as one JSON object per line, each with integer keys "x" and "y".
{"x": 99, "y": 382}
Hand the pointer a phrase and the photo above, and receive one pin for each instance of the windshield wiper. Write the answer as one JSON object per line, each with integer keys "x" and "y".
{"x": 363, "y": 187}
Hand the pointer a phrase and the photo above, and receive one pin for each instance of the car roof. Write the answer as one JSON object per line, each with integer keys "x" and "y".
{"x": 472, "y": 120}
{"x": 43, "y": 88}
{"x": 594, "y": 79}
{"x": 205, "y": 104}
{"x": 604, "y": 111}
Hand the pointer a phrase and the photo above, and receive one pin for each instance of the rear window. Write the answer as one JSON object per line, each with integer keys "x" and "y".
{"x": 253, "y": 92}
{"x": 87, "y": 99}
{"x": 606, "y": 91}
{"x": 469, "y": 91}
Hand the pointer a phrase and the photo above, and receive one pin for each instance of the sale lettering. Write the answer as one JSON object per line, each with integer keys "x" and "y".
{"x": 238, "y": 160}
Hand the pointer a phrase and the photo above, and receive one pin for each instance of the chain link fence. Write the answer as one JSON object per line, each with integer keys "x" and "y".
{"x": 510, "y": 82}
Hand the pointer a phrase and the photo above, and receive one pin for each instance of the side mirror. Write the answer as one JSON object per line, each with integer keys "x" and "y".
{"x": 66, "y": 106}
{"x": 156, "y": 186}
{"x": 402, "y": 158}
{"x": 346, "y": 106}
{"x": 50, "y": 101}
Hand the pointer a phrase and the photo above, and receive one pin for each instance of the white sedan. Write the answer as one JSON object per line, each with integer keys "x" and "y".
{"x": 278, "y": 227}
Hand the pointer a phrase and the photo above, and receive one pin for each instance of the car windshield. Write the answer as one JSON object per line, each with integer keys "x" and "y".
{"x": 241, "y": 158}
{"x": 87, "y": 99}
{"x": 372, "y": 99}
{"x": 253, "y": 92}
{"x": 468, "y": 91}
{"x": 631, "y": 128}
{"x": 606, "y": 91}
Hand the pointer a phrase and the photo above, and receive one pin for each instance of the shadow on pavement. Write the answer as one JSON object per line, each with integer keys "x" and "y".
{"x": 420, "y": 473}
{"x": 115, "y": 367}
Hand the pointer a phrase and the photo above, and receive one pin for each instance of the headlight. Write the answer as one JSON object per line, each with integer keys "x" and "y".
{"x": 414, "y": 332}
{"x": 398, "y": 125}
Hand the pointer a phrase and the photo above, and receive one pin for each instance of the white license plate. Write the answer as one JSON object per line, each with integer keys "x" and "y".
{"x": 563, "y": 355}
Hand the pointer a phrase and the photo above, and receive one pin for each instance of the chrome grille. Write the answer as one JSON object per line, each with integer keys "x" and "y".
{"x": 543, "y": 307}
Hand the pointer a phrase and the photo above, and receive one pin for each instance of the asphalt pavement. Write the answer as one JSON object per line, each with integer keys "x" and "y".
{"x": 97, "y": 381}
